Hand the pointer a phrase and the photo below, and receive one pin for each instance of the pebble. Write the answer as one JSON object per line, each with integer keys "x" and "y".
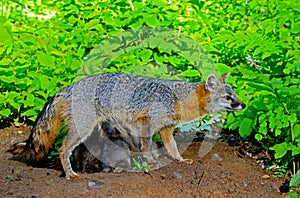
{"x": 163, "y": 176}
{"x": 94, "y": 184}
{"x": 178, "y": 175}
{"x": 216, "y": 157}
{"x": 265, "y": 176}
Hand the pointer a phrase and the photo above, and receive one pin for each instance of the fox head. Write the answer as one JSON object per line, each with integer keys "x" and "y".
{"x": 221, "y": 95}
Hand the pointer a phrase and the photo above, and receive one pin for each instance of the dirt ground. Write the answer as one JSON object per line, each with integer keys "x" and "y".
{"x": 232, "y": 175}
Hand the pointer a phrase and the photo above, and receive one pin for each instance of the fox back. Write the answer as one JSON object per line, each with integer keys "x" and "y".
{"x": 117, "y": 93}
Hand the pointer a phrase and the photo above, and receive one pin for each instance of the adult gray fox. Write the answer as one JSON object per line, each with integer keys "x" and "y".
{"x": 154, "y": 105}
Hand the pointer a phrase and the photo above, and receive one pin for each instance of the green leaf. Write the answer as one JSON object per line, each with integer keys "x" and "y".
{"x": 152, "y": 20}
{"x": 43, "y": 80}
{"x": 191, "y": 73}
{"x": 45, "y": 60}
{"x": 260, "y": 105}
{"x": 91, "y": 24}
{"x": 280, "y": 150}
{"x": 260, "y": 86}
{"x": 292, "y": 194}
{"x": 146, "y": 55}
{"x": 258, "y": 137}
{"x": 5, "y": 61}
{"x": 135, "y": 162}
{"x": 5, "y": 112}
{"x": 295, "y": 181}
{"x": 277, "y": 132}
{"x": 246, "y": 127}
{"x": 29, "y": 113}
{"x": 223, "y": 68}
{"x": 295, "y": 150}
{"x": 296, "y": 131}
{"x": 7, "y": 79}
{"x": 295, "y": 27}
{"x": 5, "y": 34}
{"x": 29, "y": 100}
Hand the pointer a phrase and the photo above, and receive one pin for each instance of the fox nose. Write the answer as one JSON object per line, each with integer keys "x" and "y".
{"x": 243, "y": 106}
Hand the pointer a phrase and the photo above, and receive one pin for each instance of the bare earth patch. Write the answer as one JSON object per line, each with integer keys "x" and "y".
{"x": 233, "y": 176}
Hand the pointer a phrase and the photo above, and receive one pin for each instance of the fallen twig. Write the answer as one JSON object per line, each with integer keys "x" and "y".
{"x": 202, "y": 178}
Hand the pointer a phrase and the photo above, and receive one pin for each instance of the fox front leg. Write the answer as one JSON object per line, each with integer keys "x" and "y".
{"x": 166, "y": 135}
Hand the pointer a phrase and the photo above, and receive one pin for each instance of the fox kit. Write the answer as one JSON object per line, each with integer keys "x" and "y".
{"x": 86, "y": 155}
{"x": 117, "y": 140}
{"x": 113, "y": 152}
{"x": 154, "y": 105}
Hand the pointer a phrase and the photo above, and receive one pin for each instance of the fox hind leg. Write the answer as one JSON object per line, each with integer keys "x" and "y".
{"x": 166, "y": 135}
{"x": 71, "y": 141}
{"x": 65, "y": 152}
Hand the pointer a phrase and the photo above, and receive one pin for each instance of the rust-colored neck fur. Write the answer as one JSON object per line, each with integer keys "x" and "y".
{"x": 194, "y": 105}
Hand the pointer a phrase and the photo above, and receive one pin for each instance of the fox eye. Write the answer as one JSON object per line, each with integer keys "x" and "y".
{"x": 117, "y": 131}
{"x": 227, "y": 97}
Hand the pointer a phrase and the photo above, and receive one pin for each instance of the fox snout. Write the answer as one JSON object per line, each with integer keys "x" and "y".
{"x": 237, "y": 106}
{"x": 231, "y": 102}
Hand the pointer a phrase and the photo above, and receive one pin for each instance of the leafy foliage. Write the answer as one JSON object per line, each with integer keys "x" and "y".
{"x": 268, "y": 77}
{"x": 258, "y": 41}
{"x": 295, "y": 181}
{"x": 140, "y": 164}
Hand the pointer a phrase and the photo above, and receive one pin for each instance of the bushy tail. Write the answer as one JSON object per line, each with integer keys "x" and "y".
{"x": 44, "y": 131}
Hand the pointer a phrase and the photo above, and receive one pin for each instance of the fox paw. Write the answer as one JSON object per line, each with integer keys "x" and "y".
{"x": 118, "y": 170}
{"x": 71, "y": 174}
{"x": 188, "y": 161}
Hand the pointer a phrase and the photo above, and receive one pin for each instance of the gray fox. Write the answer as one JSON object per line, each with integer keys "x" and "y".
{"x": 154, "y": 105}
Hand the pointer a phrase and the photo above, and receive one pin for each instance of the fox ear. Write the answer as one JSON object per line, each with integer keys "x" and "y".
{"x": 211, "y": 82}
{"x": 224, "y": 77}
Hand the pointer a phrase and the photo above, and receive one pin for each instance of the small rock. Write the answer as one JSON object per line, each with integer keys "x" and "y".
{"x": 273, "y": 167}
{"x": 94, "y": 184}
{"x": 178, "y": 175}
{"x": 163, "y": 176}
{"x": 249, "y": 154}
{"x": 264, "y": 166}
{"x": 216, "y": 157}
{"x": 265, "y": 176}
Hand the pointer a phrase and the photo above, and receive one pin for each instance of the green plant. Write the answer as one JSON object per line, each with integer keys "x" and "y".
{"x": 292, "y": 195}
{"x": 140, "y": 164}
{"x": 57, "y": 144}
{"x": 294, "y": 182}
{"x": 16, "y": 174}
{"x": 268, "y": 77}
